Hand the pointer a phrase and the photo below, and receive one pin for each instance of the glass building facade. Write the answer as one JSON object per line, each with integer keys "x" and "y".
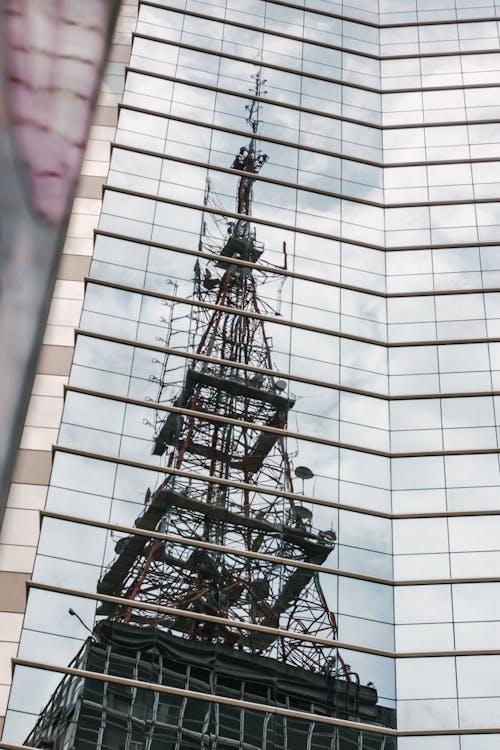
{"x": 275, "y": 498}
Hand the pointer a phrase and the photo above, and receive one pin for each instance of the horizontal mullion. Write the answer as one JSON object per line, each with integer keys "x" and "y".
{"x": 329, "y": 79}
{"x": 307, "y": 110}
{"x": 289, "y": 228}
{"x": 337, "y": 47}
{"x": 150, "y": 534}
{"x": 191, "y": 542}
{"x": 305, "y": 147}
{"x": 262, "y": 64}
{"x": 232, "y": 483}
{"x": 257, "y": 220}
{"x": 351, "y": 19}
{"x": 250, "y": 96}
{"x": 298, "y": 186}
{"x": 263, "y": 30}
{"x": 258, "y": 427}
{"x": 206, "y": 697}
{"x": 362, "y": 22}
{"x": 280, "y": 374}
{"x": 278, "y": 271}
{"x": 198, "y": 357}
{"x": 267, "y": 269}
{"x": 204, "y": 617}
{"x": 243, "y": 313}
{"x": 254, "y": 627}
{"x": 221, "y": 419}
{"x": 284, "y": 322}
{"x": 56, "y": 448}
{"x": 266, "y": 138}
{"x": 263, "y": 178}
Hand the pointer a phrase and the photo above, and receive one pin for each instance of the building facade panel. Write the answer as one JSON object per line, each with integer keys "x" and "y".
{"x": 296, "y": 253}
{"x": 28, "y": 489}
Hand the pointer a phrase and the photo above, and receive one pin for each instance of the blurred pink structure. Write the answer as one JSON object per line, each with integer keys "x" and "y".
{"x": 54, "y": 51}
{"x": 52, "y": 56}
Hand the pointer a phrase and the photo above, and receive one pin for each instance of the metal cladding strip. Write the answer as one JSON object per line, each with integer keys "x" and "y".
{"x": 276, "y": 181}
{"x": 339, "y": 16}
{"x": 241, "y": 625}
{"x": 203, "y": 617}
{"x": 298, "y": 186}
{"x": 56, "y": 448}
{"x": 272, "y": 32}
{"x": 331, "y": 79}
{"x": 308, "y": 110}
{"x": 372, "y": 728}
{"x": 363, "y": 22}
{"x": 300, "y": 146}
{"x": 257, "y": 427}
{"x": 247, "y": 314}
{"x": 264, "y": 100}
{"x": 188, "y": 542}
{"x": 202, "y": 415}
{"x": 259, "y": 266}
{"x": 281, "y": 271}
{"x": 283, "y": 321}
{"x": 134, "y": 530}
{"x": 273, "y": 66}
{"x": 202, "y": 696}
{"x": 277, "y": 373}
{"x": 299, "y": 229}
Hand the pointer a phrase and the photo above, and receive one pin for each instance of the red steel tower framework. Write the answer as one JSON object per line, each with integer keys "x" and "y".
{"x": 228, "y": 600}
{"x": 239, "y": 451}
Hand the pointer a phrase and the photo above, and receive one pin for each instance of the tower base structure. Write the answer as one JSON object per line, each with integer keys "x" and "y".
{"x": 88, "y": 714}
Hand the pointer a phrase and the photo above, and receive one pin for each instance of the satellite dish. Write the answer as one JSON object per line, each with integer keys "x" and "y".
{"x": 301, "y": 513}
{"x": 257, "y": 380}
{"x": 303, "y": 472}
{"x": 121, "y": 544}
{"x": 280, "y": 385}
{"x": 260, "y": 588}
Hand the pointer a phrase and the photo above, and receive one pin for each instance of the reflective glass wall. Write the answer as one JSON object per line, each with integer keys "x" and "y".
{"x": 280, "y": 438}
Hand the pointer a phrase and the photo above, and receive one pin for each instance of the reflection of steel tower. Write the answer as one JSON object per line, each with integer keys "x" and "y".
{"x": 231, "y": 586}
{"x": 206, "y": 609}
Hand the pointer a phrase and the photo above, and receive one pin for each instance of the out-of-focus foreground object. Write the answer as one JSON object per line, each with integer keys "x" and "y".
{"x": 52, "y": 54}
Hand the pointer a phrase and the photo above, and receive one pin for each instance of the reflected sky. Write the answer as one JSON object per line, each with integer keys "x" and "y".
{"x": 352, "y": 139}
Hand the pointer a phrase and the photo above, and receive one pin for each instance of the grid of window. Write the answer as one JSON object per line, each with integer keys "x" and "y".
{"x": 377, "y": 217}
